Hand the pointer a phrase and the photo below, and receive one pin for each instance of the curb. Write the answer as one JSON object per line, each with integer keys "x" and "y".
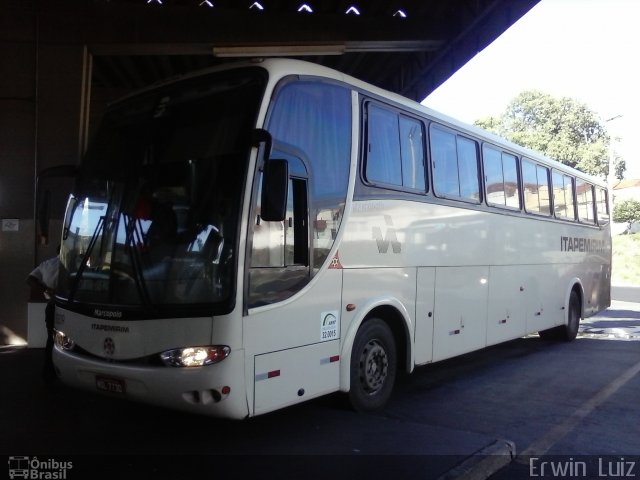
{"x": 483, "y": 463}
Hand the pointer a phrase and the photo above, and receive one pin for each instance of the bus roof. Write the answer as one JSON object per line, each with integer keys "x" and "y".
{"x": 282, "y": 67}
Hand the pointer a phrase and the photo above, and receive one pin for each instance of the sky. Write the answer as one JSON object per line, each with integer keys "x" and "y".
{"x": 583, "y": 49}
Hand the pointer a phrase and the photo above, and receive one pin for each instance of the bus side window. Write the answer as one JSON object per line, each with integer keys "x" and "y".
{"x": 584, "y": 195}
{"x": 455, "y": 165}
{"x": 563, "y": 196}
{"x": 280, "y": 250}
{"x": 511, "y": 186}
{"x": 468, "y": 168}
{"x": 285, "y": 243}
{"x": 395, "y": 153}
{"x": 501, "y": 177}
{"x": 445, "y": 163}
{"x": 311, "y": 124}
{"x": 535, "y": 182}
{"x": 602, "y": 206}
{"x": 412, "y": 151}
{"x": 493, "y": 176}
{"x": 296, "y": 224}
{"x": 383, "y": 142}
{"x": 314, "y": 118}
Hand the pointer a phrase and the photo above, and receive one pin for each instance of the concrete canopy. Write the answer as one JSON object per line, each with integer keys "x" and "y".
{"x": 406, "y": 46}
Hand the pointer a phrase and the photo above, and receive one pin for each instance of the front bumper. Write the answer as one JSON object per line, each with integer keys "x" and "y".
{"x": 217, "y": 390}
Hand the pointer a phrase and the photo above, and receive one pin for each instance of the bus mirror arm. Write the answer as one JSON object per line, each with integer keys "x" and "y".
{"x": 260, "y": 135}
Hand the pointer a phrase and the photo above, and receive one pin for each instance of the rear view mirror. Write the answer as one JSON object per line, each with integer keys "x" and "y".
{"x": 275, "y": 180}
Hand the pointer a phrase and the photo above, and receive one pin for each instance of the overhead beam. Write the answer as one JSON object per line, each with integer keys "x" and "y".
{"x": 411, "y": 56}
{"x": 104, "y": 24}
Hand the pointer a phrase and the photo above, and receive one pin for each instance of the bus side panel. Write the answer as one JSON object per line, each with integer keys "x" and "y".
{"x": 310, "y": 317}
{"x": 506, "y": 310}
{"x": 544, "y": 294}
{"x": 460, "y": 310}
{"x": 290, "y": 376}
{"x": 597, "y": 293}
{"x": 558, "y": 293}
{"x": 296, "y": 321}
{"x": 367, "y": 289}
{"x": 424, "y": 315}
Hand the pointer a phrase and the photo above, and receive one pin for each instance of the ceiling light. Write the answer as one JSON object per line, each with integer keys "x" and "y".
{"x": 352, "y": 10}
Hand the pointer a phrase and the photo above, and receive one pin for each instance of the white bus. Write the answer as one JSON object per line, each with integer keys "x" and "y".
{"x": 260, "y": 234}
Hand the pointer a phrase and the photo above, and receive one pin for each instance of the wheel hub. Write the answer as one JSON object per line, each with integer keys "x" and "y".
{"x": 373, "y": 366}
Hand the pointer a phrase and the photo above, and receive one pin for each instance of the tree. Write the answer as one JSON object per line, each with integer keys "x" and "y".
{"x": 627, "y": 211}
{"x": 561, "y": 128}
{"x": 619, "y": 165}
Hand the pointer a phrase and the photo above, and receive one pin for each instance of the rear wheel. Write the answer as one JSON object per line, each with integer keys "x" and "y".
{"x": 373, "y": 366}
{"x": 569, "y": 331}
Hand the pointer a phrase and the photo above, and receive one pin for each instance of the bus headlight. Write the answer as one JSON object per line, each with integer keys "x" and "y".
{"x": 64, "y": 342}
{"x": 195, "y": 356}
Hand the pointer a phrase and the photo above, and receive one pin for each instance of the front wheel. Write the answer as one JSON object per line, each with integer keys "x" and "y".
{"x": 373, "y": 366}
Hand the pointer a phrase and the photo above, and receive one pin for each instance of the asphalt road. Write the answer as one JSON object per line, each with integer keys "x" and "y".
{"x": 588, "y": 424}
{"x": 554, "y": 401}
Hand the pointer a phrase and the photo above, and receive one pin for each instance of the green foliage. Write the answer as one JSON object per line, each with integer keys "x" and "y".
{"x": 625, "y": 268}
{"x": 627, "y": 211}
{"x": 561, "y": 128}
{"x": 619, "y": 165}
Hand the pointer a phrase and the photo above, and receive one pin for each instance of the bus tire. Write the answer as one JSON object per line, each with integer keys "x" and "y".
{"x": 569, "y": 331}
{"x": 373, "y": 366}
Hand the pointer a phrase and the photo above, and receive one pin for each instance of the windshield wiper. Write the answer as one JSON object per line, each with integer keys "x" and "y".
{"x": 85, "y": 257}
{"x": 136, "y": 262}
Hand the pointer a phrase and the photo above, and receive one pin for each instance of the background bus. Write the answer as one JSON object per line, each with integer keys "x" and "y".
{"x": 261, "y": 234}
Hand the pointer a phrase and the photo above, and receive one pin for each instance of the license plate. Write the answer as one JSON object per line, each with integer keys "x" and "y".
{"x": 110, "y": 384}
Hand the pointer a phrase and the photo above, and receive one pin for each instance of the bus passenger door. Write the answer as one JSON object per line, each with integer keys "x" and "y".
{"x": 292, "y": 326}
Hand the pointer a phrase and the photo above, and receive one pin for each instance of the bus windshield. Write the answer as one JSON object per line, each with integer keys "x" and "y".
{"x": 153, "y": 220}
